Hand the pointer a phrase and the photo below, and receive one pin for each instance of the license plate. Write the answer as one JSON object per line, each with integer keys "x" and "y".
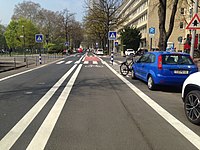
{"x": 181, "y": 71}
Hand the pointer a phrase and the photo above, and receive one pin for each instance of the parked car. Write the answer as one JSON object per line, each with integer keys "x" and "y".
{"x": 129, "y": 52}
{"x": 191, "y": 97}
{"x": 99, "y": 51}
{"x": 163, "y": 68}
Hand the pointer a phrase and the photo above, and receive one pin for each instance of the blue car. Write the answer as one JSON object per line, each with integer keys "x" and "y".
{"x": 163, "y": 68}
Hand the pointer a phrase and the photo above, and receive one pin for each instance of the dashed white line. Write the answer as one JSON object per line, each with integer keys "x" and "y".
{"x": 60, "y": 62}
{"x": 68, "y": 62}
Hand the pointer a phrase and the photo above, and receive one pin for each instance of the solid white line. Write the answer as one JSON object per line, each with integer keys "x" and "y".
{"x": 179, "y": 126}
{"x": 69, "y": 62}
{"x": 41, "y": 137}
{"x": 58, "y": 63}
{"x": 11, "y": 137}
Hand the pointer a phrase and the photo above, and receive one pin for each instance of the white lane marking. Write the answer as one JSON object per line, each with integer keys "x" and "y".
{"x": 14, "y": 75}
{"x": 179, "y": 126}
{"x": 60, "y": 62}
{"x": 40, "y": 139}
{"x": 79, "y": 61}
{"x": 86, "y": 62}
{"x": 11, "y": 137}
{"x": 119, "y": 61}
{"x": 68, "y": 62}
{"x": 95, "y": 62}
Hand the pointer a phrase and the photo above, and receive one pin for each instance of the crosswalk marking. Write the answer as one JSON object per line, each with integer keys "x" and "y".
{"x": 60, "y": 62}
{"x": 77, "y": 62}
{"x": 95, "y": 62}
{"x": 86, "y": 62}
{"x": 68, "y": 62}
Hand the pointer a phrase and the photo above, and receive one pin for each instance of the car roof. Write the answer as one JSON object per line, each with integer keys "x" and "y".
{"x": 167, "y": 53}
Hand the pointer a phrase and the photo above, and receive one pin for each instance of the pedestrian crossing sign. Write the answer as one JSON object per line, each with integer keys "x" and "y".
{"x": 38, "y": 38}
{"x": 194, "y": 23}
{"x": 112, "y": 35}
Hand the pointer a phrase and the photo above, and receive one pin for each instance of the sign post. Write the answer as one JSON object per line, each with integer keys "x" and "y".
{"x": 39, "y": 39}
{"x": 112, "y": 36}
{"x": 194, "y": 25}
{"x": 152, "y": 31}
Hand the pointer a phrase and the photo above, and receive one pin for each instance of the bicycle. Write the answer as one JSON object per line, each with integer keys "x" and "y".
{"x": 126, "y": 66}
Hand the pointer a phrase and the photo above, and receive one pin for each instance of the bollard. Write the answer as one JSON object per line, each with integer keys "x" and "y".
{"x": 112, "y": 57}
{"x": 27, "y": 62}
{"x": 14, "y": 63}
{"x": 40, "y": 59}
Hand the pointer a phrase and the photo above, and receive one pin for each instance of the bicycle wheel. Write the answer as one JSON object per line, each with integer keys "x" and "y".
{"x": 124, "y": 69}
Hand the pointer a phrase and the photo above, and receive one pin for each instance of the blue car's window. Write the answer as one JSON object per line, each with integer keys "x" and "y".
{"x": 177, "y": 59}
{"x": 144, "y": 58}
{"x": 151, "y": 58}
{"x": 147, "y": 58}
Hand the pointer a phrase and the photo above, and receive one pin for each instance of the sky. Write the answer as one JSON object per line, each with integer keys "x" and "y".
{"x": 74, "y": 6}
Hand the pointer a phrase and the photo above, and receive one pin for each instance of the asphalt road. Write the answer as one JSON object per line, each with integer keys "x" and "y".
{"x": 82, "y": 103}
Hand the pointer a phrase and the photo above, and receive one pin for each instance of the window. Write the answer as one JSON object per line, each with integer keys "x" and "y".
{"x": 182, "y": 11}
{"x": 144, "y": 58}
{"x": 177, "y": 59}
{"x": 181, "y": 25}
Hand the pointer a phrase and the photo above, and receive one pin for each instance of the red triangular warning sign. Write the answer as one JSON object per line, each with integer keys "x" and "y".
{"x": 194, "y": 23}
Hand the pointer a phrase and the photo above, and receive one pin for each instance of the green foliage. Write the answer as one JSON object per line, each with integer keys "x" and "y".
{"x": 20, "y": 32}
{"x": 130, "y": 37}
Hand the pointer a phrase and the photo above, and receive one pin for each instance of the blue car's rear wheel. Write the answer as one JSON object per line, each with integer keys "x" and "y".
{"x": 133, "y": 74}
{"x": 192, "y": 106}
{"x": 150, "y": 83}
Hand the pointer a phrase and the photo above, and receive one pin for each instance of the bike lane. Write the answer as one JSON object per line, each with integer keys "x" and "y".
{"x": 103, "y": 113}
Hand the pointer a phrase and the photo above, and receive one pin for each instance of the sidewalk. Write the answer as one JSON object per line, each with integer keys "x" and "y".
{"x": 8, "y": 63}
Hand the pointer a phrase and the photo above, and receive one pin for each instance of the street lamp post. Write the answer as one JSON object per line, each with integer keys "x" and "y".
{"x": 24, "y": 43}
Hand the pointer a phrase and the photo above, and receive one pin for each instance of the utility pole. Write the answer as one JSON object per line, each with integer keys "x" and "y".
{"x": 195, "y": 9}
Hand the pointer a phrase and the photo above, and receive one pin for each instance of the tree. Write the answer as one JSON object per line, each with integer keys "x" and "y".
{"x": 3, "y": 44}
{"x": 102, "y": 15}
{"x": 76, "y": 34}
{"x": 164, "y": 34}
{"x": 130, "y": 37}
{"x": 28, "y": 10}
{"x": 21, "y": 33}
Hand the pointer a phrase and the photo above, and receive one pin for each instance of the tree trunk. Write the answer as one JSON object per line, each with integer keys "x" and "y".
{"x": 162, "y": 19}
{"x": 164, "y": 35}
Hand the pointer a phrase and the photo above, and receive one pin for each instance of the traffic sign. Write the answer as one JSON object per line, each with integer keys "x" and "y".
{"x": 112, "y": 35}
{"x": 116, "y": 43}
{"x": 194, "y": 23}
{"x": 38, "y": 38}
{"x": 66, "y": 43}
{"x": 152, "y": 30}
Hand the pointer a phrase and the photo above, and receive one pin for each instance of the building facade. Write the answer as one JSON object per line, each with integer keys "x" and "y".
{"x": 143, "y": 14}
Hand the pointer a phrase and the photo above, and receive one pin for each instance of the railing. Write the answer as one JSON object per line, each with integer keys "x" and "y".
{"x": 12, "y": 62}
